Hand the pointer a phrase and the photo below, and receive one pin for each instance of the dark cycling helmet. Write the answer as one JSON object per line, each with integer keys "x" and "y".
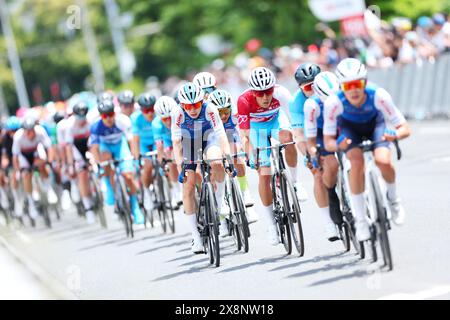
{"x": 126, "y": 97}
{"x": 12, "y": 124}
{"x": 146, "y": 100}
{"x": 29, "y": 123}
{"x": 105, "y": 96}
{"x": 81, "y": 109}
{"x": 58, "y": 116}
{"x": 306, "y": 73}
{"x": 106, "y": 106}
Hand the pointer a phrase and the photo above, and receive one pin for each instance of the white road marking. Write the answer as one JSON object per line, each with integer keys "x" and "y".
{"x": 433, "y": 292}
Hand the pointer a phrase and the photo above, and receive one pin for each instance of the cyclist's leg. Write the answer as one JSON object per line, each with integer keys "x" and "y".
{"x": 106, "y": 154}
{"x": 173, "y": 176}
{"x": 25, "y": 161}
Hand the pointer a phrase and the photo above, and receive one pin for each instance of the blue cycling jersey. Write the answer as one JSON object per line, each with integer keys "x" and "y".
{"x": 296, "y": 110}
{"x": 143, "y": 128}
{"x": 161, "y": 132}
{"x": 101, "y": 134}
{"x": 363, "y": 114}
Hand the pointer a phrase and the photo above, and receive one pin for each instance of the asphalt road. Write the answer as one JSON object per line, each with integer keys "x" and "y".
{"x": 92, "y": 263}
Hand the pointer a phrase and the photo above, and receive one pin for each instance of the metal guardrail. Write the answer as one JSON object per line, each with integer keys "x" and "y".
{"x": 420, "y": 91}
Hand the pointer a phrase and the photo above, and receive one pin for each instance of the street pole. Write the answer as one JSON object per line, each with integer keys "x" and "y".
{"x": 3, "y": 107}
{"x": 91, "y": 46}
{"x": 118, "y": 38}
{"x": 13, "y": 56}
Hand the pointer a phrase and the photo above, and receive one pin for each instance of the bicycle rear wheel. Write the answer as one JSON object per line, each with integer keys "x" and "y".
{"x": 98, "y": 201}
{"x": 213, "y": 225}
{"x": 292, "y": 210}
{"x": 382, "y": 224}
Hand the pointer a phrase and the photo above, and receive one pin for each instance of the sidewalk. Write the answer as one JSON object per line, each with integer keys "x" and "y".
{"x": 16, "y": 282}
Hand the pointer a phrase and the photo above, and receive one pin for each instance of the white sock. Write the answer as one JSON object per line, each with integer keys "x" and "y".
{"x": 325, "y": 213}
{"x": 220, "y": 193}
{"x": 87, "y": 203}
{"x": 3, "y": 193}
{"x": 30, "y": 200}
{"x": 360, "y": 206}
{"x": 267, "y": 215}
{"x": 391, "y": 191}
{"x": 46, "y": 184}
{"x": 191, "y": 221}
{"x": 16, "y": 195}
{"x": 293, "y": 172}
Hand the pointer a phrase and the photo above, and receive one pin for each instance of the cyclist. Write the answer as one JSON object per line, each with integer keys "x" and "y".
{"x": 362, "y": 110}
{"x": 143, "y": 141}
{"x": 110, "y": 139}
{"x": 206, "y": 81}
{"x": 77, "y": 136}
{"x": 161, "y": 125}
{"x": 11, "y": 126}
{"x": 304, "y": 76}
{"x": 261, "y": 117}
{"x": 196, "y": 125}
{"x": 29, "y": 149}
{"x": 221, "y": 99}
{"x": 4, "y": 201}
{"x": 126, "y": 102}
{"x": 325, "y": 84}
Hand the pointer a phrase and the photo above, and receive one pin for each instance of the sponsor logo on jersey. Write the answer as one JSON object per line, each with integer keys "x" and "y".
{"x": 242, "y": 118}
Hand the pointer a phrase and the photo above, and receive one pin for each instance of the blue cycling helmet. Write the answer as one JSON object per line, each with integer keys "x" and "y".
{"x": 13, "y": 123}
{"x": 425, "y": 22}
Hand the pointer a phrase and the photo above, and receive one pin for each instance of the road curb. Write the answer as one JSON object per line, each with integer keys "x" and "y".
{"x": 47, "y": 280}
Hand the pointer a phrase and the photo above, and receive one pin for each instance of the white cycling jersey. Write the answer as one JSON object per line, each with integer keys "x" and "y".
{"x": 61, "y": 130}
{"x": 21, "y": 143}
{"x": 77, "y": 129}
{"x": 379, "y": 99}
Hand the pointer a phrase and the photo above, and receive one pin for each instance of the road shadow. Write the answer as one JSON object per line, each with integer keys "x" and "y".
{"x": 161, "y": 247}
{"x": 312, "y": 260}
{"x": 327, "y": 267}
{"x": 355, "y": 274}
{"x": 169, "y": 237}
{"x": 185, "y": 272}
{"x": 141, "y": 239}
{"x": 260, "y": 262}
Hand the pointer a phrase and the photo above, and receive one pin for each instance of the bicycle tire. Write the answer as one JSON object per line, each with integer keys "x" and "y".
{"x": 280, "y": 218}
{"x": 382, "y": 222}
{"x": 344, "y": 232}
{"x": 293, "y": 213}
{"x": 160, "y": 202}
{"x": 98, "y": 202}
{"x": 241, "y": 219}
{"x": 168, "y": 204}
{"x": 213, "y": 224}
{"x": 125, "y": 208}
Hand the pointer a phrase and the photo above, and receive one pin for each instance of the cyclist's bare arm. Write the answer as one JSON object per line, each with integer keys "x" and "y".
{"x": 178, "y": 152}
{"x": 135, "y": 146}
{"x": 299, "y": 138}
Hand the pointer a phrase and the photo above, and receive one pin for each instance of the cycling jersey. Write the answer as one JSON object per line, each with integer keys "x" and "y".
{"x": 143, "y": 128}
{"x": 6, "y": 147}
{"x": 367, "y": 121}
{"x": 50, "y": 127}
{"x": 296, "y": 110}
{"x": 113, "y": 139}
{"x": 61, "y": 130}
{"x": 231, "y": 129}
{"x": 199, "y": 133}
{"x": 77, "y": 135}
{"x": 100, "y": 133}
{"x": 264, "y": 122}
{"x": 313, "y": 113}
{"x": 161, "y": 132}
{"x": 250, "y": 112}
{"x": 27, "y": 150}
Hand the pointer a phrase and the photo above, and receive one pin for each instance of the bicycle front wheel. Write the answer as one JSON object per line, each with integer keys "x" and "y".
{"x": 213, "y": 226}
{"x": 125, "y": 208}
{"x": 241, "y": 220}
{"x": 168, "y": 204}
{"x": 382, "y": 224}
{"x": 292, "y": 210}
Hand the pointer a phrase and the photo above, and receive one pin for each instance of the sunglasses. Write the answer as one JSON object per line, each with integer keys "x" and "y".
{"x": 165, "y": 118}
{"x": 355, "y": 84}
{"x": 127, "y": 105}
{"x": 192, "y": 106}
{"x": 267, "y": 92}
{"x": 209, "y": 89}
{"x": 148, "y": 110}
{"x": 108, "y": 115}
{"x": 307, "y": 86}
{"x": 225, "y": 111}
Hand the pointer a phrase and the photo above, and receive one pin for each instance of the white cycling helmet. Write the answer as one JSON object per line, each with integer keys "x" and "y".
{"x": 350, "y": 69}
{"x": 205, "y": 80}
{"x": 164, "y": 106}
{"x": 325, "y": 84}
{"x": 221, "y": 99}
{"x": 261, "y": 79}
{"x": 190, "y": 93}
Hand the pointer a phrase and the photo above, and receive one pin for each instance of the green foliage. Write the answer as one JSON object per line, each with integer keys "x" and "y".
{"x": 53, "y": 53}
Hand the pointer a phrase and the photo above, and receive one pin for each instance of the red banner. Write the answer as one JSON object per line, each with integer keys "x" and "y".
{"x": 353, "y": 26}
